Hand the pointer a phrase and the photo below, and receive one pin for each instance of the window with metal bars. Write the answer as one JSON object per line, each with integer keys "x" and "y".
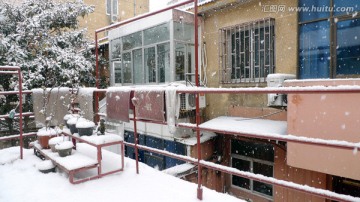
{"x": 247, "y": 52}
{"x": 254, "y": 157}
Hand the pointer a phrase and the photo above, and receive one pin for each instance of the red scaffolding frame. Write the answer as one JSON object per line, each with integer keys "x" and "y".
{"x": 196, "y": 127}
{"x": 15, "y": 70}
{"x": 197, "y": 91}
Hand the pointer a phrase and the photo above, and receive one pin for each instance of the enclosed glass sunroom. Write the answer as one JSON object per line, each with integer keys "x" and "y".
{"x": 155, "y": 50}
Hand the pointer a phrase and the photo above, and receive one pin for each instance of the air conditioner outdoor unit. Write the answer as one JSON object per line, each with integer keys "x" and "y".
{"x": 277, "y": 80}
{"x": 188, "y": 101}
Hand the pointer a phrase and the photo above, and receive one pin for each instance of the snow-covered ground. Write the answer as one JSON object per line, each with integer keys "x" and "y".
{"x": 20, "y": 181}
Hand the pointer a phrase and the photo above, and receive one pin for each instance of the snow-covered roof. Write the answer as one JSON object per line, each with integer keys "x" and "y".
{"x": 205, "y": 136}
{"x": 179, "y": 170}
{"x": 203, "y": 2}
{"x": 246, "y": 125}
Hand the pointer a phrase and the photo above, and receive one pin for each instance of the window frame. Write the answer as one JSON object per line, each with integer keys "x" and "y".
{"x": 228, "y": 57}
{"x": 111, "y": 7}
{"x": 333, "y": 43}
{"x": 251, "y": 160}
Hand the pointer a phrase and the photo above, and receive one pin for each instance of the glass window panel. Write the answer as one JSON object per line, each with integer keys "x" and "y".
{"x": 242, "y": 41}
{"x": 184, "y": 32}
{"x": 253, "y": 150}
{"x": 247, "y": 50}
{"x": 163, "y": 53}
{"x": 233, "y": 54}
{"x": 266, "y": 170}
{"x": 117, "y": 70}
{"x": 263, "y": 73}
{"x": 242, "y": 65}
{"x": 314, "y": 9}
{"x": 263, "y": 169}
{"x": 179, "y": 62}
{"x": 243, "y": 166}
{"x": 154, "y": 161}
{"x": 346, "y": 7}
{"x": 263, "y": 188}
{"x": 150, "y": 64}
{"x": 237, "y": 50}
{"x": 156, "y": 34}
{"x": 238, "y": 73}
{"x": 256, "y": 51}
{"x": 190, "y": 62}
{"x": 138, "y": 67}
{"x": 267, "y": 49}
{"x": 314, "y": 44}
{"x": 262, "y": 37}
{"x": 116, "y": 48}
{"x": 132, "y": 41}
{"x": 233, "y": 67}
{"x": 127, "y": 67}
{"x": 348, "y": 47}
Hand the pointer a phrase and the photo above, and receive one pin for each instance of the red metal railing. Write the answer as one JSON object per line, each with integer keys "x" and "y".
{"x": 288, "y": 138}
{"x": 200, "y": 163}
{"x": 196, "y": 127}
{"x": 16, "y": 70}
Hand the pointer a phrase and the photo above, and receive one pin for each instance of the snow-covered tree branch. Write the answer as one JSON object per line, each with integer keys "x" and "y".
{"x": 43, "y": 38}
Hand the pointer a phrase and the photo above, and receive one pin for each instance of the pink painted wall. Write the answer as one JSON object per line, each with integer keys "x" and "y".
{"x": 325, "y": 116}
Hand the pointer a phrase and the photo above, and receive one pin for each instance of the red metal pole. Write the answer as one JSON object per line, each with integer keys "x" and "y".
{"x": 15, "y": 92}
{"x": 99, "y": 158}
{"x": 97, "y": 78}
{"x": 197, "y": 110}
{"x": 122, "y": 155}
{"x": 136, "y": 142}
{"x": 20, "y": 114}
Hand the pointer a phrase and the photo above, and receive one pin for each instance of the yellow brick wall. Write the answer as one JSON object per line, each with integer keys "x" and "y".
{"x": 98, "y": 19}
{"x": 220, "y": 14}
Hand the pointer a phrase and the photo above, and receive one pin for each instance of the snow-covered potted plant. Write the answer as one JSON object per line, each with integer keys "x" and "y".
{"x": 54, "y": 141}
{"x": 46, "y": 166}
{"x": 69, "y": 116}
{"x": 44, "y": 134}
{"x": 72, "y": 124}
{"x": 64, "y": 148}
{"x": 85, "y": 127}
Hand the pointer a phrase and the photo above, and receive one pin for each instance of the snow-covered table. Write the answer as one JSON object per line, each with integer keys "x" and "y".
{"x": 72, "y": 164}
{"x": 78, "y": 162}
{"x": 99, "y": 142}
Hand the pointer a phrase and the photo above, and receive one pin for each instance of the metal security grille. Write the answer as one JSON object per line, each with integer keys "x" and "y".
{"x": 247, "y": 52}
